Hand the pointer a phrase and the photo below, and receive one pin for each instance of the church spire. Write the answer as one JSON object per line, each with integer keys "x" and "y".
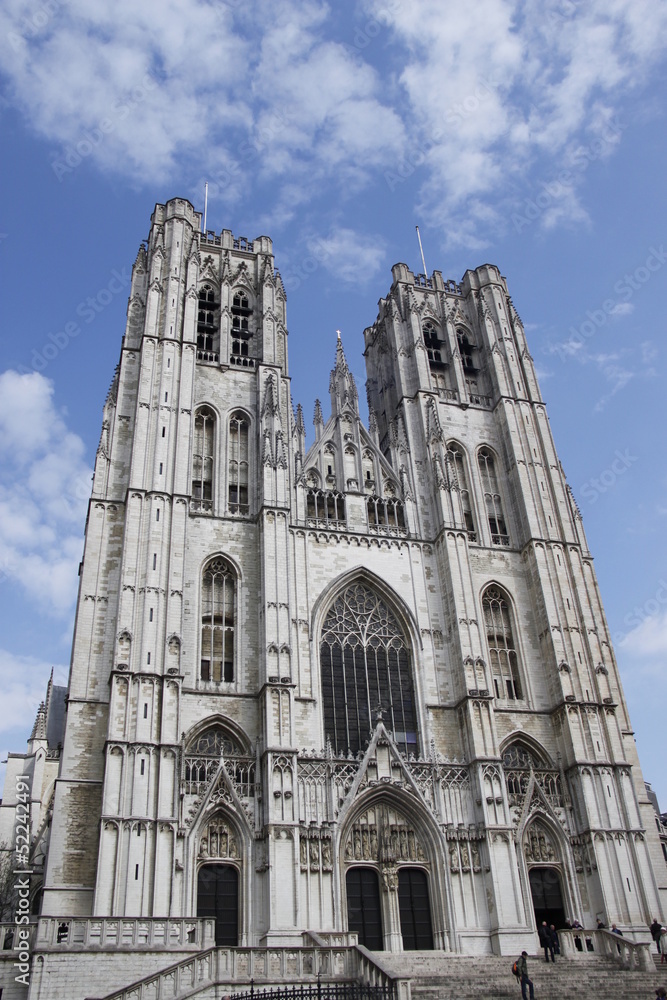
{"x": 341, "y": 384}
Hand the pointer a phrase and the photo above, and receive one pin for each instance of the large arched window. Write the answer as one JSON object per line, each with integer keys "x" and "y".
{"x": 218, "y": 618}
{"x": 207, "y": 325}
{"x": 365, "y": 666}
{"x": 458, "y": 478}
{"x": 202, "y": 460}
{"x": 237, "y": 468}
{"x": 435, "y": 348}
{"x": 494, "y": 506}
{"x": 502, "y": 648}
{"x": 241, "y": 332}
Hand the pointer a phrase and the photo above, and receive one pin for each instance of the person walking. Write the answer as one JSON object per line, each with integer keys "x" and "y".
{"x": 523, "y": 976}
{"x": 545, "y": 941}
{"x": 656, "y": 928}
{"x": 555, "y": 943}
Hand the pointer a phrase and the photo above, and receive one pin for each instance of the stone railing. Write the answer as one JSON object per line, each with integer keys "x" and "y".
{"x": 362, "y": 965}
{"x": 9, "y": 936}
{"x": 152, "y": 933}
{"x": 370, "y": 970}
{"x": 182, "y": 977}
{"x": 628, "y": 954}
{"x": 224, "y": 966}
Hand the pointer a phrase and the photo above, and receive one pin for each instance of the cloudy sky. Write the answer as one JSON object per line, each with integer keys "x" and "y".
{"x": 529, "y": 134}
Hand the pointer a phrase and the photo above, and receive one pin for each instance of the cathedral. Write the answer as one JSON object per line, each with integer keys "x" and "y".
{"x": 358, "y": 691}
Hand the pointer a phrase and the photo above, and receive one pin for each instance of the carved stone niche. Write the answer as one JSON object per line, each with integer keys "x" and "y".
{"x": 539, "y": 846}
{"x": 218, "y": 841}
{"x": 383, "y": 834}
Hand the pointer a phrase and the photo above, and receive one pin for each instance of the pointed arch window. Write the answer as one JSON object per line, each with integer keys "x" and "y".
{"x": 366, "y": 669}
{"x": 202, "y": 461}
{"x": 458, "y": 481}
{"x": 492, "y": 499}
{"x": 519, "y": 762}
{"x": 435, "y": 347}
{"x": 386, "y": 515}
{"x": 467, "y": 350}
{"x": 241, "y": 333}
{"x": 503, "y": 655}
{"x": 237, "y": 470}
{"x": 208, "y": 334}
{"x": 218, "y": 619}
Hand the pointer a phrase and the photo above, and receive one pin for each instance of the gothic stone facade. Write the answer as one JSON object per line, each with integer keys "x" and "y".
{"x": 363, "y": 686}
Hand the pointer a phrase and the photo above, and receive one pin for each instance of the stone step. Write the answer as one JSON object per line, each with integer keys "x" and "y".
{"x": 443, "y": 976}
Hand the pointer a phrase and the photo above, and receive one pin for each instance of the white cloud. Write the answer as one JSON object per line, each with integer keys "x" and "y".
{"x": 622, "y": 309}
{"x": 350, "y": 256}
{"x": 648, "y": 639}
{"x": 44, "y": 487}
{"x": 478, "y": 97}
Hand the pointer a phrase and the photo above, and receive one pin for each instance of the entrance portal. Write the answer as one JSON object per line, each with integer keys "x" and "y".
{"x": 218, "y": 896}
{"x": 415, "y": 910}
{"x": 363, "y": 907}
{"x": 547, "y": 896}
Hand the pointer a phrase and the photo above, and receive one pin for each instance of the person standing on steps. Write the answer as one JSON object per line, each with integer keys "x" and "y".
{"x": 523, "y": 976}
{"x": 663, "y": 945}
{"x": 555, "y": 943}
{"x": 545, "y": 941}
{"x": 655, "y": 929}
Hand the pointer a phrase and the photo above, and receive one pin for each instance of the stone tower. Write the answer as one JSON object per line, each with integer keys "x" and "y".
{"x": 366, "y": 686}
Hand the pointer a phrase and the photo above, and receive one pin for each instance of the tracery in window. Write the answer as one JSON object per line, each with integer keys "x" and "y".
{"x": 202, "y": 758}
{"x": 241, "y": 333}
{"x": 460, "y": 493}
{"x": 218, "y": 603}
{"x": 385, "y": 514}
{"x": 202, "y": 461}
{"x": 492, "y": 500}
{"x": 207, "y": 325}
{"x": 325, "y": 508}
{"x": 467, "y": 350}
{"x": 368, "y": 470}
{"x": 519, "y": 762}
{"x": 503, "y": 656}
{"x": 435, "y": 348}
{"x": 237, "y": 467}
{"x": 365, "y": 667}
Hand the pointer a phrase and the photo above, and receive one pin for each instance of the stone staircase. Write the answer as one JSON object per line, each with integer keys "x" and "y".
{"x": 443, "y": 976}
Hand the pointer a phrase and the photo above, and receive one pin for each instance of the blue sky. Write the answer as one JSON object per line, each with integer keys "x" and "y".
{"x": 528, "y": 134}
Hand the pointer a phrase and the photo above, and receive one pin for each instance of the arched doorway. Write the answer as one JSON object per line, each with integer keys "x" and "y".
{"x": 415, "y": 910}
{"x": 218, "y": 897}
{"x": 547, "y": 896}
{"x": 363, "y": 906}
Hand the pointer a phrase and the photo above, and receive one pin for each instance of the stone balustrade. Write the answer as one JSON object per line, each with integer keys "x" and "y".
{"x": 632, "y": 955}
{"x": 227, "y": 966}
{"x": 152, "y": 933}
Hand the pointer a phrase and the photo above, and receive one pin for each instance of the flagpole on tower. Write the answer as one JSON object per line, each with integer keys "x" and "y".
{"x": 421, "y": 250}
{"x": 205, "y": 203}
